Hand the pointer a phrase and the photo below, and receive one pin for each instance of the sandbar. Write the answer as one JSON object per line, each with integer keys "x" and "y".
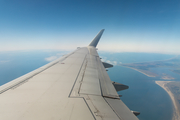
{"x": 145, "y": 72}
{"x": 176, "y": 114}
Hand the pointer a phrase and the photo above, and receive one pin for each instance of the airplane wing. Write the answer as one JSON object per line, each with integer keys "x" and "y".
{"x": 73, "y": 87}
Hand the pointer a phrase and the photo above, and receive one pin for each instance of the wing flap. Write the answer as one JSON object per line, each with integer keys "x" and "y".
{"x": 107, "y": 87}
{"x": 121, "y": 109}
{"x": 100, "y": 108}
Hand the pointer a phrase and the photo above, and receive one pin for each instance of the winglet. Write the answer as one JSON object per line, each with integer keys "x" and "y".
{"x": 96, "y": 39}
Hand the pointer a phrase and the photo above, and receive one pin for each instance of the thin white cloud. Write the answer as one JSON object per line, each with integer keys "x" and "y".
{"x": 49, "y": 59}
{"x": 104, "y": 59}
{"x": 54, "y": 57}
{"x": 4, "y": 61}
{"x": 146, "y": 47}
{"x": 114, "y": 62}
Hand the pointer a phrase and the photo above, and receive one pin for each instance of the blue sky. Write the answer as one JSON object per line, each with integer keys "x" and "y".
{"x": 130, "y": 25}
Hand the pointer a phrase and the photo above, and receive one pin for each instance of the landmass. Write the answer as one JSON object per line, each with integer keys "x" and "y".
{"x": 176, "y": 71}
{"x": 166, "y": 77}
{"x": 146, "y": 67}
{"x": 145, "y": 72}
{"x": 173, "y": 89}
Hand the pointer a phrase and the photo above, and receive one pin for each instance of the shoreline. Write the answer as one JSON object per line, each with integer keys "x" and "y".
{"x": 140, "y": 71}
{"x": 176, "y": 115}
{"x": 151, "y": 74}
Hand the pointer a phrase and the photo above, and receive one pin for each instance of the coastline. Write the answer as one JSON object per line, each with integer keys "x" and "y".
{"x": 176, "y": 115}
{"x": 141, "y": 71}
{"x": 150, "y": 74}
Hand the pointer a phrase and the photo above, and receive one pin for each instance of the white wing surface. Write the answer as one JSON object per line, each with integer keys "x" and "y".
{"x": 74, "y": 87}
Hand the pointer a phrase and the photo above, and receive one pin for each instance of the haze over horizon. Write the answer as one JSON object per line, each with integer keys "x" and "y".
{"x": 130, "y": 26}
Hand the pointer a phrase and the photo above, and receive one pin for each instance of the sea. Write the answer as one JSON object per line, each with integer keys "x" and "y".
{"x": 143, "y": 94}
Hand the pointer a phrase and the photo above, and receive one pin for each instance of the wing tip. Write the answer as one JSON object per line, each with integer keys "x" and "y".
{"x": 96, "y": 39}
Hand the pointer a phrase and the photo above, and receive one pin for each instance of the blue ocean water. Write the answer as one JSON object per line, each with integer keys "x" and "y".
{"x": 143, "y": 94}
{"x": 14, "y": 64}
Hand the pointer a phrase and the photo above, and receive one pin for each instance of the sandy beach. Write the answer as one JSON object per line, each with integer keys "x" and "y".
{"x": 149, "y": 75}
{"x": 176, "y": 115}
{"x": 143, "y": 72}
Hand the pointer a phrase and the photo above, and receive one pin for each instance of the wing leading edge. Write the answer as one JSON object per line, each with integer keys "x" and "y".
{"x": 74, "y": 87}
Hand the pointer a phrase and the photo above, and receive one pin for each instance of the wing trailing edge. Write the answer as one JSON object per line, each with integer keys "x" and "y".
{"x": 96, "y": 39}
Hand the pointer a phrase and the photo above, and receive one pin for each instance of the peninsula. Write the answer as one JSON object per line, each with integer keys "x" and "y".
{"x": 145, "y": 67}
{"x": 173, "y": 89}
